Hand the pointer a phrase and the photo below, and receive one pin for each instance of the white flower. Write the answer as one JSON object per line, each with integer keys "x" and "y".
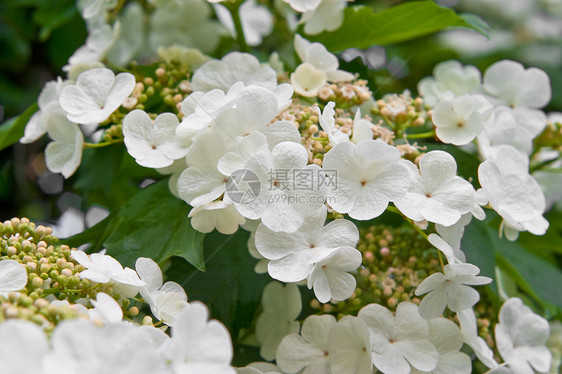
{"x": 167, "y": 300}
{"x": 461, "y": 120}
{"x": 328, "y": 16}
{"x": 240, "y": 112}
{"x": 48, "y": 103}
{"x": 96, "y": 94}
{"x": 516, "y": 127}
{"x": 23, "y": 345}
{"x": 515, "y": 86}
{"x": 256, "y": 20}
{"x": 513, "y": 192}
{"x": 289, "y": 188}
{"x": 114, "y": 348}
{"x": 153, "y": 143}
{"x": 328, "y": 124}
{"x": 293, "y": 256}
{"x": 216, "y": 215}
{"x": 307, "y": 80}
{"x": 447, "y": 338}
{"x": 281, "y": 306}
{"x": 318, "y": 66}
{"x": 233, "y": 67}
{"x": 349, "y": 347}
{"x": 185, "y": 23}
{"x": 309, "y": 350}
{"x": 13, "y": 276}
{"x": 64, "y": 154}
{"x": 450, "y": 289}
{"x": 369, "y": 175}
{"x": 436, "y": 193}
{"x": 106, "y": 309}
{"x": 103, "y": 269}
{"x": 469, "y": 331}
{"x": 449, "y": 77}
{"x": 330, "y": 277}
{"x": 198, "y": 345}
{"x": 399, "y": 341}
{"x": 521, "y": 337}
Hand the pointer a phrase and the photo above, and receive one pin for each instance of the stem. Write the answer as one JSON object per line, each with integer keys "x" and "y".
{"x": 240, "y": 39}
{"x": 103, "y": 144}
{"x": 541, "y": 165}
{"x": 422, "y": 135}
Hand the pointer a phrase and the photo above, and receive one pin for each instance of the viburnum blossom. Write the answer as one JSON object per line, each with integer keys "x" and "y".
{"x": 167, "y": 300}
{"x": 450, "y": 289}
{"x": 281, "y": 307}
{"x": 349, "y": 347}
{"x": 318, "y": 66}
{"x": 280, "y": 203}
{"x": 521, "y": 337}
{"x": 293, "y": 255}
{"x": 436, "y": 193}
{"x": 462, "y": 119}
{"x": 445, "y": 335}
{"x": 309, "y": 350}
{"x": 513, "y": 192}
{"x": 64, "y": 154}
{"x": 369, "y": 175}
{"x": 399, "y": 341}
{"x": 103, "y": 269}
{"x": 153, "y": 142}
{"x": 233, "y": 67}
{"x": 199, "y": 345}
{"x": 449, "y": 77}
{"x": 95, "y": 95}
{"x": 48, "y": 102}
{"x": 513, "y": 85}
{"x": 330, "y": 277}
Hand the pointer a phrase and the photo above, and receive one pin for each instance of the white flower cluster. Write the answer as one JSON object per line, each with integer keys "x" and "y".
{"x": 503, "y": 113}
{"x": 81, "y": 346}
{"x": 88, "y": 101}
{"x": 101, "y": 341}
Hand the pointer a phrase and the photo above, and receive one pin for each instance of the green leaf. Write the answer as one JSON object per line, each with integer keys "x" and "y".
{"x": 12, "y": 130}
{"x": 153, "y": 223}
{"x": 229, "y": 286}
{"x": 362, "y": 27}
{"x": 538, "y": 278}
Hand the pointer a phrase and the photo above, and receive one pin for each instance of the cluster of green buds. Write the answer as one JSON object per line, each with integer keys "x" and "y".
{"x": 54, "y": 290}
